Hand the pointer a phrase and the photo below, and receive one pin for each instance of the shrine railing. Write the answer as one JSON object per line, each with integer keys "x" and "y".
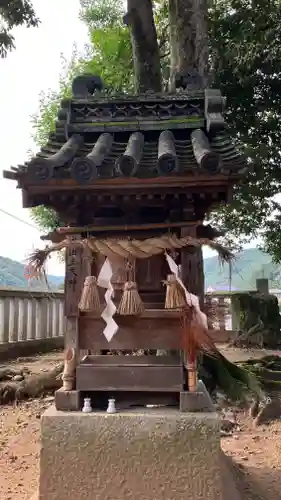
{"x": 26, "y": 315}
{"x": 33, "y": 316}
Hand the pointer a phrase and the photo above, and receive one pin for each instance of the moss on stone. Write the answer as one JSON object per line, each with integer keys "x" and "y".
{"x": 253, "y": 308}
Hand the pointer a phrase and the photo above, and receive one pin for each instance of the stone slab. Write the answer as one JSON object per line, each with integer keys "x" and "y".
{"x": 154, "y": 454}
{"x": 194, "y": 402}
{"x": 229, "y": 487}
{"x": 67, "y": 400}
{"x": 199, "y": 401}
{"x": 203, "y": 389}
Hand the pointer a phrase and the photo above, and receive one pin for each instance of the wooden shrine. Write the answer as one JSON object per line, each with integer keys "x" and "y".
{"x": 125, "y": 174}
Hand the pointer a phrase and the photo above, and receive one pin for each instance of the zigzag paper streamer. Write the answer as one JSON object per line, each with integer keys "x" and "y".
{"x": 104, "y": 281}
{"x": 191, "y": 299}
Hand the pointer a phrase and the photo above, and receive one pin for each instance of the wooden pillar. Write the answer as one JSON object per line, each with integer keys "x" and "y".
{"x": 192, "y": 267}
{"x": 192, "y": 274}
{"x": 78, "y": 266}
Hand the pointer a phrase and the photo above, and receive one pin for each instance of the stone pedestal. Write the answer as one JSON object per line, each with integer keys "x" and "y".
{"x": 154, "y": 454}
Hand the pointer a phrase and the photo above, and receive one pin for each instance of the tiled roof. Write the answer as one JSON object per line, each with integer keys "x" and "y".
{"x": 142, "y": 136}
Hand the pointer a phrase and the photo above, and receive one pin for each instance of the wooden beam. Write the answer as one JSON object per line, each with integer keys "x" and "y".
{"x": 8, "y": 174}
{"x": 150, "y": 378}
{"x": 138, "y": 227}
{"x": 161, "y": 332}
{"x": 181, "y": 181}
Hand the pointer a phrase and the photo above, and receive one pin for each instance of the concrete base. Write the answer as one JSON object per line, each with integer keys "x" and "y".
{"x": 199, "y": 401}
{"x": 154, "y": 454}
{"x": 203, "y": 389}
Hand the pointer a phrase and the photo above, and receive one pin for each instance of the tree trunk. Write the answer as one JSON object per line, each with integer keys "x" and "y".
{"x": 188, "y": 39}
{"x": 146, "y": 52}
{"x": 173, "y": 44}
{"x": 32, "y": 386}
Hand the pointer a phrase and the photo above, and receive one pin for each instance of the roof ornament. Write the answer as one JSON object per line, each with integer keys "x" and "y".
{"x": 189, "y": 80}
{"x": 214, "y": 108}
{"x": 85, "y": 85}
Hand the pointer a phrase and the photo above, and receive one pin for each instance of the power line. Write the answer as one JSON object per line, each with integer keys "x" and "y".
{"x": 18, "y": 219}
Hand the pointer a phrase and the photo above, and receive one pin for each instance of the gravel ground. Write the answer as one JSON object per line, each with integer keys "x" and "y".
{"x": 257, "y": 452}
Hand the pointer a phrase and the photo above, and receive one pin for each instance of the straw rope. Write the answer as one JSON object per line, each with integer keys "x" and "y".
{"x": 142, "y": 249}
{"x": 129, "y": 249}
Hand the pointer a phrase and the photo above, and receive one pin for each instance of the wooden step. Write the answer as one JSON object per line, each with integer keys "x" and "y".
{"x": 130, "y": 373}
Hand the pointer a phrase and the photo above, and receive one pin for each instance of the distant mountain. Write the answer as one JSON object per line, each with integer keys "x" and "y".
{"x": 248, "y": 266}
{"x": 12, "y": 275}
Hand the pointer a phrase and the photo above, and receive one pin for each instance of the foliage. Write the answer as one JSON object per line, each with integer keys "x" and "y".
{"x": 236, "y": 382}
{"x": 45, "y": 217}
{"x": 112, "y": 57}
{"x": 14, "y": 13}
{"x": 102, "y": 14}
{"x": 110, "y": 52}
{"x": 246, "y": 57}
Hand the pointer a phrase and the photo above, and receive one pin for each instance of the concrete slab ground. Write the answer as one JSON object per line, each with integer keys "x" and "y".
{"x": 155, "y": 454}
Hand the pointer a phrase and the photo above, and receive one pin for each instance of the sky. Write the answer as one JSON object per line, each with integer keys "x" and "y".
{"x": 34, "y": 66}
